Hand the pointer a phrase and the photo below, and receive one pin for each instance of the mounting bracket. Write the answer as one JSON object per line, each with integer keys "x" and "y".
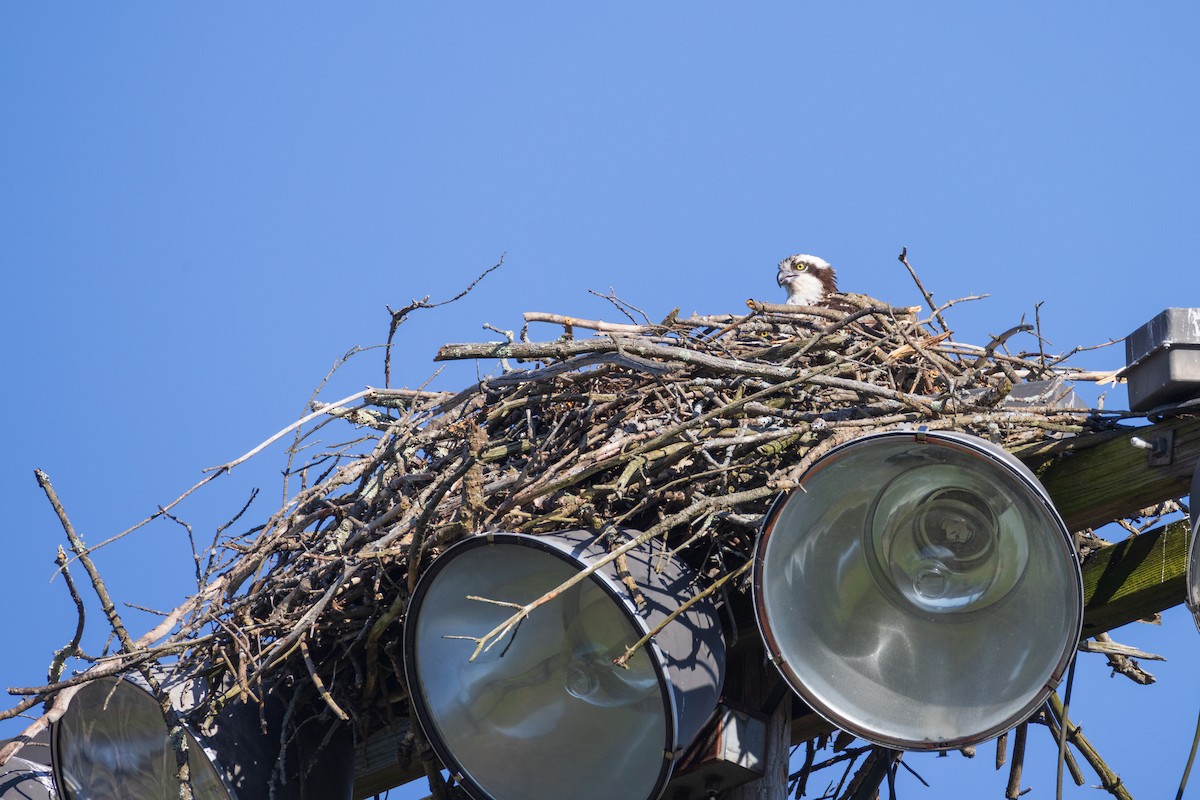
{"x": 1160, "y": 448}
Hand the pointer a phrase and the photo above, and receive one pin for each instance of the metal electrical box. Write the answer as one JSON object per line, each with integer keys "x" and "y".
{"x": 1162, "y": 360}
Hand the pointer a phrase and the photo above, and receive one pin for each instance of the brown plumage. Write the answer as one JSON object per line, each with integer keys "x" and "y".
{"x": 809, "y": 280}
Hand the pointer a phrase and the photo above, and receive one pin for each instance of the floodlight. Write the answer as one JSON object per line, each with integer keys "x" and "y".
{"x": 113, "y": 744}
{"x": 21, "y": 779}
{"x": 918, "y": 589}
{"x": 546, "y": 713}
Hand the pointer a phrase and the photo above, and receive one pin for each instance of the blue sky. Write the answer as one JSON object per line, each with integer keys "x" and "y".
{"x": 202, "y": 207}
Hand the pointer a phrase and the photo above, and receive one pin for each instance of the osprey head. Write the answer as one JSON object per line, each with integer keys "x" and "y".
{"x": 808, "y": 279}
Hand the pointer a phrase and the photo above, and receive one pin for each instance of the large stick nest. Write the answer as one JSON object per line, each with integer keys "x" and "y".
{"x": 685, "y": 429}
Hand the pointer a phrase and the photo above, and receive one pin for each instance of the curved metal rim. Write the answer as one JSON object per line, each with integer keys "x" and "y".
{"x": 617, "y": 593}
{"x": 56, "y": 745}
{"x": 978, "y": 447}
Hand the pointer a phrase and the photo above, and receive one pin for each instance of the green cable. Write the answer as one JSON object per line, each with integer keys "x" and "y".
{"x": 1191, "y": 758}
{"x": 1062, "y": 730}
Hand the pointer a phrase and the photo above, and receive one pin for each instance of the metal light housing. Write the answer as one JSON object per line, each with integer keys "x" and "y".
{"x": 113, "y": 744}
{"x": 545, "y": 713}
{"x": 21, "y": 779}
{"x": 918, "y": 589}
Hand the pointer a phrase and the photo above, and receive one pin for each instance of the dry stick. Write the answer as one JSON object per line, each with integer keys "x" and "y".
{"x": 1037, "y": 325}
{"x": 554, "y": 483}
{"x": 312, "y": 403}
{"x": 298, "y": 423}
{"x": 1013, "y": 790}
{"x": 415, "y": 549}
{"x": 1067, "y": 757}
{"x": 1120, "y": 657}
{"x": 104, "y": 667}
{"x": 672, "y": 353}
{"x": 398, "y": 317}
{"x": 790, "y": 313}
{"x": 210, "y": 564}
{"x": 801, "y": 777}
{"x": 623, "y": 660}
{"x": 57, "y": 708}
{"x": 437, "y": 784}
{"x": 576, "y": 363}
{"x": 1187, "y": 769}
{"x": 153, "y": 516}
{"x": 850, "y": 754}
{"x": 567, "y": 349}
{"x": 1062, "y": 738}
{"x": 625, "y": 307}
{"x": 863, "y": 350}
{"x": 928, "y": 297}
{"x": 1108, "y": 779}
{"x": 320, "y": 684}
{"x": 488, "y": 640}
{"x": 72, "y": 647}
{"x": 178, "y": 739}
{"x": 871, "y": 774}
{"x": 20, "y": 708}
{"x": 591, "y": 324}
{"x": 77, "y": 546}
{"x": 242, "y": 643}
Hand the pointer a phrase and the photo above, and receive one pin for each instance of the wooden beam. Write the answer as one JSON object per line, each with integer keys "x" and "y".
{"x": 385, "y": 760}
{"x": 1135, "y": 578}
{"x": 1096, "y": 479}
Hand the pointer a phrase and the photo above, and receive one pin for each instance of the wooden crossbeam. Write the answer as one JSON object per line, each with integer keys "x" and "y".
{"x": 1135, "y": 579}
{"x": 1097, "y": 479}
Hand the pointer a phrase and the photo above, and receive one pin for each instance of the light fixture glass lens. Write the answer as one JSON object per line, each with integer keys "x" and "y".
{"x": 549, "y": 692}
{"x": 112, "y": 744}
{"x": 920, "y": 595}
{"x": 940, "y": 540}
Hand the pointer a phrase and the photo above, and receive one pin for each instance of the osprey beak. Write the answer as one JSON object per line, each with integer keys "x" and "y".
{"x": 782, "y": 277}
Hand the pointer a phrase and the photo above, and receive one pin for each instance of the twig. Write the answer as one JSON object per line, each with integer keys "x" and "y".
{"x": 58, "y": 707}
{"x": 592, "y": 324}
{"x": 324, "y": 410}
{"x": 77, "y": 546}
{"x": 1051, "y": 724}
{"x": 72, "y": 647}
{"x": 1013, "y": 790}
{"x": 1120, "y": 657}
{"x": 623, "y": 659}
{"x": 488, "y": 640}
{"x": 937, "y": 314}
{"x": 319, "y": 684}
{"x": 398, "y": 317}
{"x": 1108, "y": 779}
{"x": 621, "y": 305}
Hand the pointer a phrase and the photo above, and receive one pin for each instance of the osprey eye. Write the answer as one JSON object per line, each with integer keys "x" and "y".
{"x": 801, "y": 266}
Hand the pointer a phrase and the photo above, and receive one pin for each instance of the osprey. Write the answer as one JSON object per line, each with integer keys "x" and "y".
{"x": 809, "y": 280}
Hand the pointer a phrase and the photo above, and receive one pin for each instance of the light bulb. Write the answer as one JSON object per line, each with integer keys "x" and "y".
{"x": 934, "y": 532}
{"x": 597, "y": 636}
{"x": 944, "y": 558}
